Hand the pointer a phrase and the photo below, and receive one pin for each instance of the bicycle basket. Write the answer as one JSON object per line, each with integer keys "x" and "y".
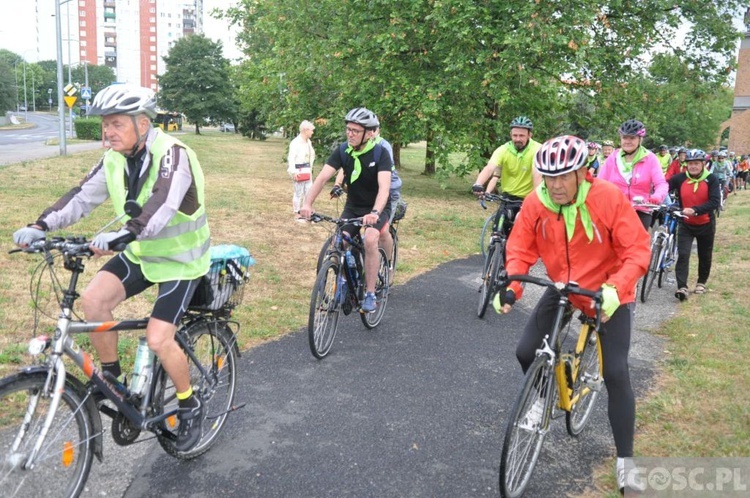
{"x": 400, "y": 210}
{"x": 224, "y": 284}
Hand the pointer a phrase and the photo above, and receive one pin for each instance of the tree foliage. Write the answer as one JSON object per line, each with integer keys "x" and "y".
{"x": 455, "y": 72}
{"x": 197, "y": 82}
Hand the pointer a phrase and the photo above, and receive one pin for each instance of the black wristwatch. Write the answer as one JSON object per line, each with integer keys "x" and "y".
{"x": 375, "y": 211}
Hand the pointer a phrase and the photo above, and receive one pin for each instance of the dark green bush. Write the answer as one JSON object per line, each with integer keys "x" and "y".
{"x": 88, "y": 128}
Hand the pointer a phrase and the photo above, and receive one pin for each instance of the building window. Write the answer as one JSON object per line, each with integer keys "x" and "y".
{"x": 82, "y": 3}
{"x": 83, "y": 43}
{"x": 152, "y": 39}
{"x": 82, "y": 33}
{"x": 83, "y": 24}
{"x": 153, "y": 48}
{"x": 82, "y": 13}
{"x": 153, "y": 67}
{"x": 152, "y": 29}
{"x": 152, "y": 10}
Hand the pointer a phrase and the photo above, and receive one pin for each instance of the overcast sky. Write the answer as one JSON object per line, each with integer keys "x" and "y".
{"x": 18, "y": 29}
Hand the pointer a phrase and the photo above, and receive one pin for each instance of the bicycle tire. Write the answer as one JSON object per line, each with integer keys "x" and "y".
{"x": 484, "y": 242}
{"x": 521, "y": 447}
{"x": 324, "y": 314}
{"x": 671, "y": 256}
{"x": 325, "y": 251}
{"x": 586, "y": 385}
{"x": 492, "y": 269}
{"x": 64, "y": 460}
{"x": 394, "y": 252}
{"x": 372, "y": 320}
{"x": 654, "y": 267}
{"x": 215, "y": 346}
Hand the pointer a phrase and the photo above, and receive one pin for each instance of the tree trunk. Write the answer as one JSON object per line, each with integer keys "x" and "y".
{"x": 429, "y": 158}
{"x": 397, "y": 154}
{"x": 197, "y": 130}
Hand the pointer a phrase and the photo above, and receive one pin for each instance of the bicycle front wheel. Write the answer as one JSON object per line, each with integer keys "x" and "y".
{"x": 372, "y": 320}
{"x": 325, "y": 252}
{"x": 586, "y": 385}
{"x": 653, "y": 270}
{"x": 215, "y": 346}
{"x": 527, "y": 426}
{"x": 64, "y": 460}
{"x": 484, "y": 238}
{"x": 492, "y": 267}
{"x": 323, "y": 320}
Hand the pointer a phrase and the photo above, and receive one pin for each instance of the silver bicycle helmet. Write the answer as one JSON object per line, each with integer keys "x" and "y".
{"x": 125, "y": 99}
{"x": 561, "y": 155}
{"x": 695, "y": 155}
{"x": 363, "y": 117}
{"x": 522, "y": 122}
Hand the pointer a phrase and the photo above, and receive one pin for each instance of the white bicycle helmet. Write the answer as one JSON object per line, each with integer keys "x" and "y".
{"x": 125, "y": 99}
{"x": 363, "y": 117}
{"x": 561, "y": 155}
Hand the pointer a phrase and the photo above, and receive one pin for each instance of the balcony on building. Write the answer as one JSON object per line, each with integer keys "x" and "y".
{"x": 110, "y": 59}
{"x": 109, "y": 13}
{"x": 110, "y": 40}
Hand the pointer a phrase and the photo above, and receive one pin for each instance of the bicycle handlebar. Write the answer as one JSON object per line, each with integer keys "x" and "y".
{"x": 497, "y": 198}
{"x": 561, "y": 287}
{"x": 317, "y": 217}
{"x": 672, "y": 208}
{"x": 72, "y": 246}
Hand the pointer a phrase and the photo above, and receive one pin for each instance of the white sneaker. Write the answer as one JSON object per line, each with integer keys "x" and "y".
{"x": 533, "y": 416}
{"x": 631, "y": 483}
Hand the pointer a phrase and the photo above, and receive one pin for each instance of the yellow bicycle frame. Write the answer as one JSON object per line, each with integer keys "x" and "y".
{"x": 567, "y": 400}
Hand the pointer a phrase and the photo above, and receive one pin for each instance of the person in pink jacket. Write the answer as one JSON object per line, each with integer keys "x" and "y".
{"x": 635, "y": 170}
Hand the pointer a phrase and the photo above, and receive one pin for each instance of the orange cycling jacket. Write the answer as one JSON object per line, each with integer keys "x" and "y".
{"x": 618, "y": 255}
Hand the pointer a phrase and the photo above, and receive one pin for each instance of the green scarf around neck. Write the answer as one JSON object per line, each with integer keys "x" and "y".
{"x": 355, "y": 154}
{"x": 640, "y": 153}
{"x": 570, "y": 211}
{"x": 697, "y": 181}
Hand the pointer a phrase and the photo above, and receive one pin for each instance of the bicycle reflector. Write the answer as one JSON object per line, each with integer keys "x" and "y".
{"x": 67, "y": 454}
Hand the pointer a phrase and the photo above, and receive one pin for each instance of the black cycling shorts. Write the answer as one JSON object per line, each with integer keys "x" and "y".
{"x": 173, "y": 297}
{"x": 381, "y": 225}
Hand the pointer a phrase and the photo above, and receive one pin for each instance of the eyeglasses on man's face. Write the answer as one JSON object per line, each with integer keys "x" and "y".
{"x": 354, "y": 131}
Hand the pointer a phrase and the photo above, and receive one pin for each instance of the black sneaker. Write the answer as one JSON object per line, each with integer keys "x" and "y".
{"x": 189, "y": 430}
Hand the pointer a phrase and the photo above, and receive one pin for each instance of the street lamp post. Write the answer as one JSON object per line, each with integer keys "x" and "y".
{"x": 15, "y": 73}
{"x": 25, "y": 99}
{"x": 60, "y": 109}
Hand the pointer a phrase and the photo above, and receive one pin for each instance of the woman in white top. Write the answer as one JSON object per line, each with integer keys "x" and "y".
{"x": 300, "y": 162}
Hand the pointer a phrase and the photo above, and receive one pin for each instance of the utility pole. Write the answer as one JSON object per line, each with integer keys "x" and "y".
{"x": 25, "y": 99}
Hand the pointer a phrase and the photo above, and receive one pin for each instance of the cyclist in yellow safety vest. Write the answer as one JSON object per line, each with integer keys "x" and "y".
{"x": 166, "y": 244}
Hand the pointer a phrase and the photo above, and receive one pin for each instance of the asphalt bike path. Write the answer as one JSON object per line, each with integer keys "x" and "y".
{"x": 416, "y": 407}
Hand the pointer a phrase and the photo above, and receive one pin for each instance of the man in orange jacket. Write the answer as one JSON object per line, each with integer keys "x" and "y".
{"x": 584, "y": 230}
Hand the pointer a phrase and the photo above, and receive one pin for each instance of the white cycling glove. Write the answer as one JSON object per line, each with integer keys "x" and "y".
{"x": 104, "y": 240}
{"x": 27, "y": 235}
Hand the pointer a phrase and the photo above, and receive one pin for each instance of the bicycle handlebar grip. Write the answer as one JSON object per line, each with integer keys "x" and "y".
{"x": 119, "y": 247}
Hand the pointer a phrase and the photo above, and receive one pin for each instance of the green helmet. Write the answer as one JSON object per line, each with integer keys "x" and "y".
{"x": 522, "y": 122}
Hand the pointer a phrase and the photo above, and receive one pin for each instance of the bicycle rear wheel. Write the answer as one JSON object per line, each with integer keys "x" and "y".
{"x": 492, "y": 267}
{"x": 215, "y": 347}
{"x": 586, "y": 385}
{"x": 394, "y": 252}
{"x": 63, "y": 463}
{"x": 525, "y": 433}
{"x": 372, "y": 320}
{"x": 653, "y": 270}
{"x": 323, "y": 320}
{"x": 670, "y": 255}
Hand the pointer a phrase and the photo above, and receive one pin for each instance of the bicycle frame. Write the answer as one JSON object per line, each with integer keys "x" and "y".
{"x": 553, "y": 356}
{"x": 567, "y": 369}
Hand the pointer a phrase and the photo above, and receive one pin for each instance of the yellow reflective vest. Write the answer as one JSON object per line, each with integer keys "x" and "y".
{"x": 181, "y": 250}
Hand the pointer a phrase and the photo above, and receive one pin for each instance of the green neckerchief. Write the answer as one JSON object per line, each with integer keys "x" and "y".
{"x": 639, "y": 154}
{"x": 697, "y": 181}
{"x": 570, "y": 211}
{"x": 355, "y": 154}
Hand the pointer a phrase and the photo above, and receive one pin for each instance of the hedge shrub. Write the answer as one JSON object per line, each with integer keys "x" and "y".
{"x": 88, "y": 128}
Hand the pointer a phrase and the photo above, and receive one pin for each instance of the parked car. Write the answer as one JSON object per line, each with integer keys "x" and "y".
{"x": 227, "y": 127}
